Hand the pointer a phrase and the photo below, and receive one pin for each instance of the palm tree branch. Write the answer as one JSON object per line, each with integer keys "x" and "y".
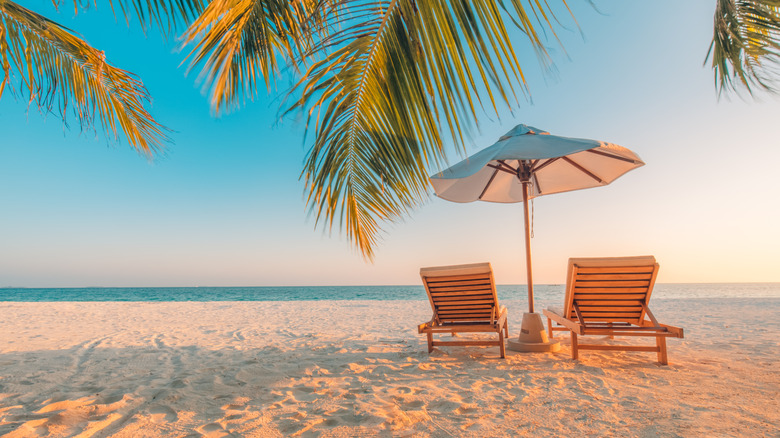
{"x": 235, "y": 41}
{"x": 745, "y": 50}
{"x": 375, "y": 100}
{"x": 167, "y": 15}
{"x": 59, "y": 70}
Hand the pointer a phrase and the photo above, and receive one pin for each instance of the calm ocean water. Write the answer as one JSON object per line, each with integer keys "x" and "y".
{"x": 544, "y": 292}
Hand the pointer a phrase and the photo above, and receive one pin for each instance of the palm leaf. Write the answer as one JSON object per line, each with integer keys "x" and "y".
{"x": 241, "y": 43}
{"x": 394, "y": 78}
{"x": 60, "y": 72}
{"x": 745, "y": 49}
{"x": 167, "y": 15}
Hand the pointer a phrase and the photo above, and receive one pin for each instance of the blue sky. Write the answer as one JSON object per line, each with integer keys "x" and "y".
{"x": 224, "y": 205}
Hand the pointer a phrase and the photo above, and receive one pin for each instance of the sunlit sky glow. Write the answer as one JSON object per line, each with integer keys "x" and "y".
{"x": 225, "y": 207}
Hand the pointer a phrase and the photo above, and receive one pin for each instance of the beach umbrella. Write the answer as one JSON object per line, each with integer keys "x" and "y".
{"x": 525, "y": 163}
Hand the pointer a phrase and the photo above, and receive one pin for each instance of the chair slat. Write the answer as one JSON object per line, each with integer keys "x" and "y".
{"x": 469, "y": 307}
{"x": 460, "y": 290}
{"x": 467, "y": 318}
{"x": 615, "y": 269}
{"x": 644, "y": 276}
{"x": 595, "y": 307}
{"x": 611, "y": 284}
{"x": 610, "y": 290}
{"x": 448, "y": 298}
{"x": 603, "y": 313}
{"x": 611, "y": 301}
{"x": 446, "y": 280}
{"x": 471, "y": 302}
{"x": 458, "y": 286}
{"x": 613, "y": 319}
{"x": 463, "y": 318}
{"x": 456, "y": 278}
{"x": 449, "y": 311}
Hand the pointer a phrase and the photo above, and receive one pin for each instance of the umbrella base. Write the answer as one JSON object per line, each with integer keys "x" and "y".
{"x": 533, "y": 336}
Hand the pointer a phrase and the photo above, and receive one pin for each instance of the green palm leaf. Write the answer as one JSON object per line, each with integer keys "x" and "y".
{"x": 393, "y": 79}
{"x": 167, "y": 15}
{"x": 241, "y": 43}
{"x": 745, "y": 49}
{"x": 60, "y": 72}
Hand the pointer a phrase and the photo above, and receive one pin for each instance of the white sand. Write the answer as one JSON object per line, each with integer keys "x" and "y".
{"x": 358, "y": 368}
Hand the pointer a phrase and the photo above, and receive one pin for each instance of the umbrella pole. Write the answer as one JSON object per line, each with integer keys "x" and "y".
{"x": 528, "y": 249}
{"x": 533, "y": 337}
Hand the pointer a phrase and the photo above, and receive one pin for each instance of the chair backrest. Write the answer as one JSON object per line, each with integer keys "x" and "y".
{"x": 610, "y": 289}
{"x": 461, "y": 293}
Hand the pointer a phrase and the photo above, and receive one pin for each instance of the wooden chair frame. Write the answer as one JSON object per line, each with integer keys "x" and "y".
{"x": 609, "y": 296}
{"x": 463, "y": 299}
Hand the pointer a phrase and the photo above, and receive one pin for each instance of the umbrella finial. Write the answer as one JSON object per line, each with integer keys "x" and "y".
{"x": 522, "y": 129}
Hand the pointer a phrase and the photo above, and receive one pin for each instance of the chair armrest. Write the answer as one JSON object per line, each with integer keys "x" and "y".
{"x": 560, "y": 319}
{"x": 502, "y": 312}
{"x": 422, "y": 328}
{"x": 677, "y": 331}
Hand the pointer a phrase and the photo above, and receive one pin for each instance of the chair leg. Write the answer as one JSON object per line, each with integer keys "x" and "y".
{"x": 506, "y": 329}
{"x": 501, "y": 346}
{"x": 660, "y": 341}
{"x": 549, "y": 328}
{"x": 574, "y": 346}
{"x": 430, "y": 342}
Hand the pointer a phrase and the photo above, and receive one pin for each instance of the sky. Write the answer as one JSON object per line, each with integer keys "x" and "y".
{"x": 224, "y": 205}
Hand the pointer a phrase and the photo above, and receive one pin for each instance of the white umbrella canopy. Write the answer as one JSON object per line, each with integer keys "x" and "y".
{"x": 528, "y": 162}
{"x": 547, "y": 163}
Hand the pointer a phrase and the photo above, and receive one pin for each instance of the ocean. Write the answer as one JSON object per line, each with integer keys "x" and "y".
{"x": 542, "y": 292}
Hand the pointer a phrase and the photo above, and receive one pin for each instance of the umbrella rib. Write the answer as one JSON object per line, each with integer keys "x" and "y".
{"x": 545, "y": 164}
{"x": 490, "y": 181}
{"x": 582, "y": 169}
{"x": 616, "y": 157}
{"x": 536, "y": 183}
{"x": 503, "y": 167}
{"x": 503, "y": 163}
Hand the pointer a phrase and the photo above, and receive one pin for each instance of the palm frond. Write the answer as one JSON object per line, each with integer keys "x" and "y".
{"x": 745, "y": 48}
{"x": 241, "y": 43}
{"x": 393, "y": 78}
{"x": 60, "y": 72}
{"x": 167, "y": 15}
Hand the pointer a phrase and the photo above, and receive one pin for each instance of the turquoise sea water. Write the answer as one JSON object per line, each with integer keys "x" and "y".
{"x": 542, "y": 292}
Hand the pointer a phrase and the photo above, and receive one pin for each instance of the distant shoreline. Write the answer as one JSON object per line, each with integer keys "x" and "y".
{"x": 543, "y": 292}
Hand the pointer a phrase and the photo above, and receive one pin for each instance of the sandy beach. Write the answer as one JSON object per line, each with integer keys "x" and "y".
{"x": 358, "y": 368}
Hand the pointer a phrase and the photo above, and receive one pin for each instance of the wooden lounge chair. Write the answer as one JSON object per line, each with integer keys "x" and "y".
{"x": 463, "y": 299}
{"x": 609, "y": 296}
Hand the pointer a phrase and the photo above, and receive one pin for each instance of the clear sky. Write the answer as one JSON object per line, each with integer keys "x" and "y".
{"x": 224, "y": 206}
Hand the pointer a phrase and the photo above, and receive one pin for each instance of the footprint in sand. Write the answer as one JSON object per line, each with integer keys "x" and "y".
{"x": 444, "y": 406}
{"x": 236, "y": 410}
{"x": 179, "y": 383}
{"x": 109, "y": 399}
{"x": 465, "y": 409}
{"x": 406, "y": 404}
{"x": 305, "y": 394}
{"x": 214, "y": 430}
{"x": 162, "y": 413}
{"x": 353, "y": 368}
{"x": 403, "y": 390}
